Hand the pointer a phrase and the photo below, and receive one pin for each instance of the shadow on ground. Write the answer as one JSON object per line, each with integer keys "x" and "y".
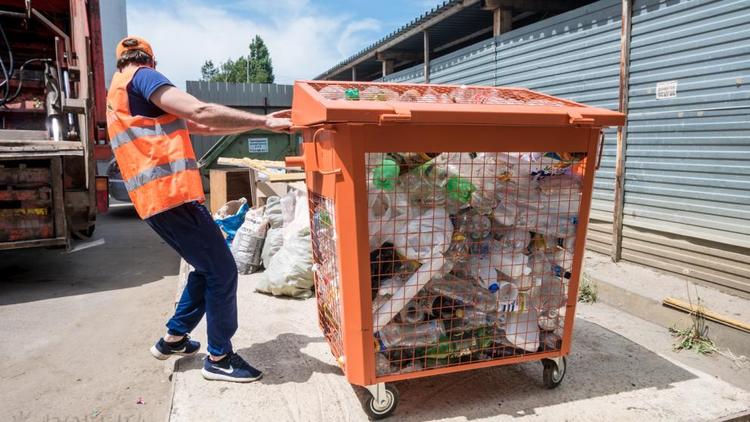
{"x": 37, "y": 274}
{"x": 602, "y": 364}
{"x": 281, "y": 360}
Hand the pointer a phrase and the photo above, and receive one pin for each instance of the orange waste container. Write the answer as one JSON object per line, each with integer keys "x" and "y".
{"x": 448, "y": 225}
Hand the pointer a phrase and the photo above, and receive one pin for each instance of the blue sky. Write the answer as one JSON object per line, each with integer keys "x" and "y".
{"x": 305, "y": 37}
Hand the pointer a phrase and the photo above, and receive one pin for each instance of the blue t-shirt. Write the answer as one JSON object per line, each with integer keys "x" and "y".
{"x": 144, "y": 83}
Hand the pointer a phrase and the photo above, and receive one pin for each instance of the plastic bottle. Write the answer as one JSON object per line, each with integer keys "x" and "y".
{"x": 549, "y": 320}
{"x": 383, "y": 365}
{"x": 458, "y": 194}
{"x": 423, "y": 187}
{"x": 410, "y": 335}
{"x": 549, "y": 295}
{"x": 466, "y": 291}
{"x": 467, "y": 319}
{"x": 413, "y": 312}
{"x": 351, "y": 94}
{"x": 549, "y": 340}
{"x": 444, "y": 307}
{"x": 385, "y": 174}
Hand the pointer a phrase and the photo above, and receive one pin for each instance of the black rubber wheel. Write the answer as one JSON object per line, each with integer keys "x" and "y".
{"x": 375, "y": 412}
{"x": 553, "y": 375}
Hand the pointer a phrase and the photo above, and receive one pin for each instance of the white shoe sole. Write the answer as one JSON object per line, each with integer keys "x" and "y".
{"x": 219, "y": 377}
{"x": 161, "y": 356}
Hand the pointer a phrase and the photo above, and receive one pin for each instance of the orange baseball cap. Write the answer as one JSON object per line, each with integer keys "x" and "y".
{"x": 140, "y": 44}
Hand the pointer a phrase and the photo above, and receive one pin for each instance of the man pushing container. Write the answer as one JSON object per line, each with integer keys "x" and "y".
{"x": 149, "y": 122}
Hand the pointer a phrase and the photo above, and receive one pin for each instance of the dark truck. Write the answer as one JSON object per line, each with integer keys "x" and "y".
{"x": 52, "y": 121}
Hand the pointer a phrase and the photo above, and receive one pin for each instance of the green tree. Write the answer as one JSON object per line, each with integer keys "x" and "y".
{"x": 209, "y": 71}
{"x": 261, "y": 68}
{"x": 255, "y": 67}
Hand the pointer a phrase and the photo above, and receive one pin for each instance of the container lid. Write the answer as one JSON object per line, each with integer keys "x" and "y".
{"x": 316, "y": 102}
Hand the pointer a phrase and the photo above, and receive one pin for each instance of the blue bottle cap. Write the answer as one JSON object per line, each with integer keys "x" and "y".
{"x": 494, "y": 287}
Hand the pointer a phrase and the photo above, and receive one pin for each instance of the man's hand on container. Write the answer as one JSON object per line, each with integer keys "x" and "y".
{"x": 279, "y": 121}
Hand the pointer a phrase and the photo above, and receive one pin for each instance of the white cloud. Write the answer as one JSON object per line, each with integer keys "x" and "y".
{"x": 303, "y": 43}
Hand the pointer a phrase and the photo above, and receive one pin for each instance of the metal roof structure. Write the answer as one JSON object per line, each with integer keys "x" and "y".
{"x": 450, "y": 26}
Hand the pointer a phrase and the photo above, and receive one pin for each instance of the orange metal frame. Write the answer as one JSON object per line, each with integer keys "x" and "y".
{"x": 334, "y": 162}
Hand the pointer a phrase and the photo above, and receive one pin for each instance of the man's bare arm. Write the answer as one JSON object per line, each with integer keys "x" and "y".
{"x": 199, "y": 129}
{"x": 214, "y": 116}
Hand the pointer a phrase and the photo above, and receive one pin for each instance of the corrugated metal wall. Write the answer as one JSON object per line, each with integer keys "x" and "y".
{"x": 255, "y": 98}
{"x": 574, "y": 55}
{"x": 687, "y": 172}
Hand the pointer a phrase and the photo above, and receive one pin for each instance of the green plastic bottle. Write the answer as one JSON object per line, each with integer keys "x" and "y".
{"x": 458, "y": 194}
{"x": 351, "y": 94}
{"x": 385, "y": 175}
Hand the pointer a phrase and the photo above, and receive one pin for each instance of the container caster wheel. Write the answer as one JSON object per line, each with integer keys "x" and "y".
{"x": 381, "y": 401}
{"x": 554, "y": 371}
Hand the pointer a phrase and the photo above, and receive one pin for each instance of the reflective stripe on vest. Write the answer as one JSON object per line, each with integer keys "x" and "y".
{"x": 135, "y": 132}
{"x": 155, "y": 156}
{"x": 157, "y": 172}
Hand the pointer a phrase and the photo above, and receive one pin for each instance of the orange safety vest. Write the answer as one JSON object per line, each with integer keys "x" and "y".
{"x": 155, "y": 156}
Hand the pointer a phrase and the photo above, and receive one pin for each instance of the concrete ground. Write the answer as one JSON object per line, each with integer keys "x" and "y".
{"x": 639, "y": 290}
{"x": 76, "y": 327}
{"x": 621, "y": 368}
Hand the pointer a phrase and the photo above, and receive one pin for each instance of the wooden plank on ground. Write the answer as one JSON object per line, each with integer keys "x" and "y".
{"x": 707, "y": 313}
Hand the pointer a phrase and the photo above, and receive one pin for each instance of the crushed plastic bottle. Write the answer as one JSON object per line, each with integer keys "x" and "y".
{"x": 410, "y": 335}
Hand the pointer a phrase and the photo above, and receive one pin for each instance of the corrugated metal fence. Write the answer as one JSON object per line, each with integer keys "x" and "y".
{"x": 687, "y": 196}
{"x": 687, "y": 168}
{"x": 255, "y": 98}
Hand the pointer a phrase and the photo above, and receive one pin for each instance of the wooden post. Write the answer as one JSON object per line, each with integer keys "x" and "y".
{"x": 622, "y": 132}
{"x": 502, "y": 21}
{"x": 426, "y": 56}
{"x": 387, "y": 67}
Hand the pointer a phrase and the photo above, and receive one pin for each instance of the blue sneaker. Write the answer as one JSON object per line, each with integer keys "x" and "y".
{"x": 230, "y": 368}
{"x": 186, "y": 347}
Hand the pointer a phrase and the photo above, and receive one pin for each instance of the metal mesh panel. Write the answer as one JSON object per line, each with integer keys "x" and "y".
{"x": 326, "y": 272}
{"x": 470, "y": 255}
{"x": 436, "y": 94}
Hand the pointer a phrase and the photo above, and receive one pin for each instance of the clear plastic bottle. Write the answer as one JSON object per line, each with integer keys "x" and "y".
{"x": 410, "y": 335}
{"x": 466, "y": 291}
{"x": 470, "y": 319}
{"x": 443, "y": 307}
{"x": 383, "y": 365}
{"x": 413, "y": 312}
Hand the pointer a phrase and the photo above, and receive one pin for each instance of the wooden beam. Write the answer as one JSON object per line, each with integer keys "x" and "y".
{"x": 387, "y": 67}
{"x": 708, "y": 314}
{"x": 398, "y": 55}
{"x": 426, "y": 38}
{"x": 502, "y": 21}
{"x": 521, "y": 5}
{"x": 622, "y": 132}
